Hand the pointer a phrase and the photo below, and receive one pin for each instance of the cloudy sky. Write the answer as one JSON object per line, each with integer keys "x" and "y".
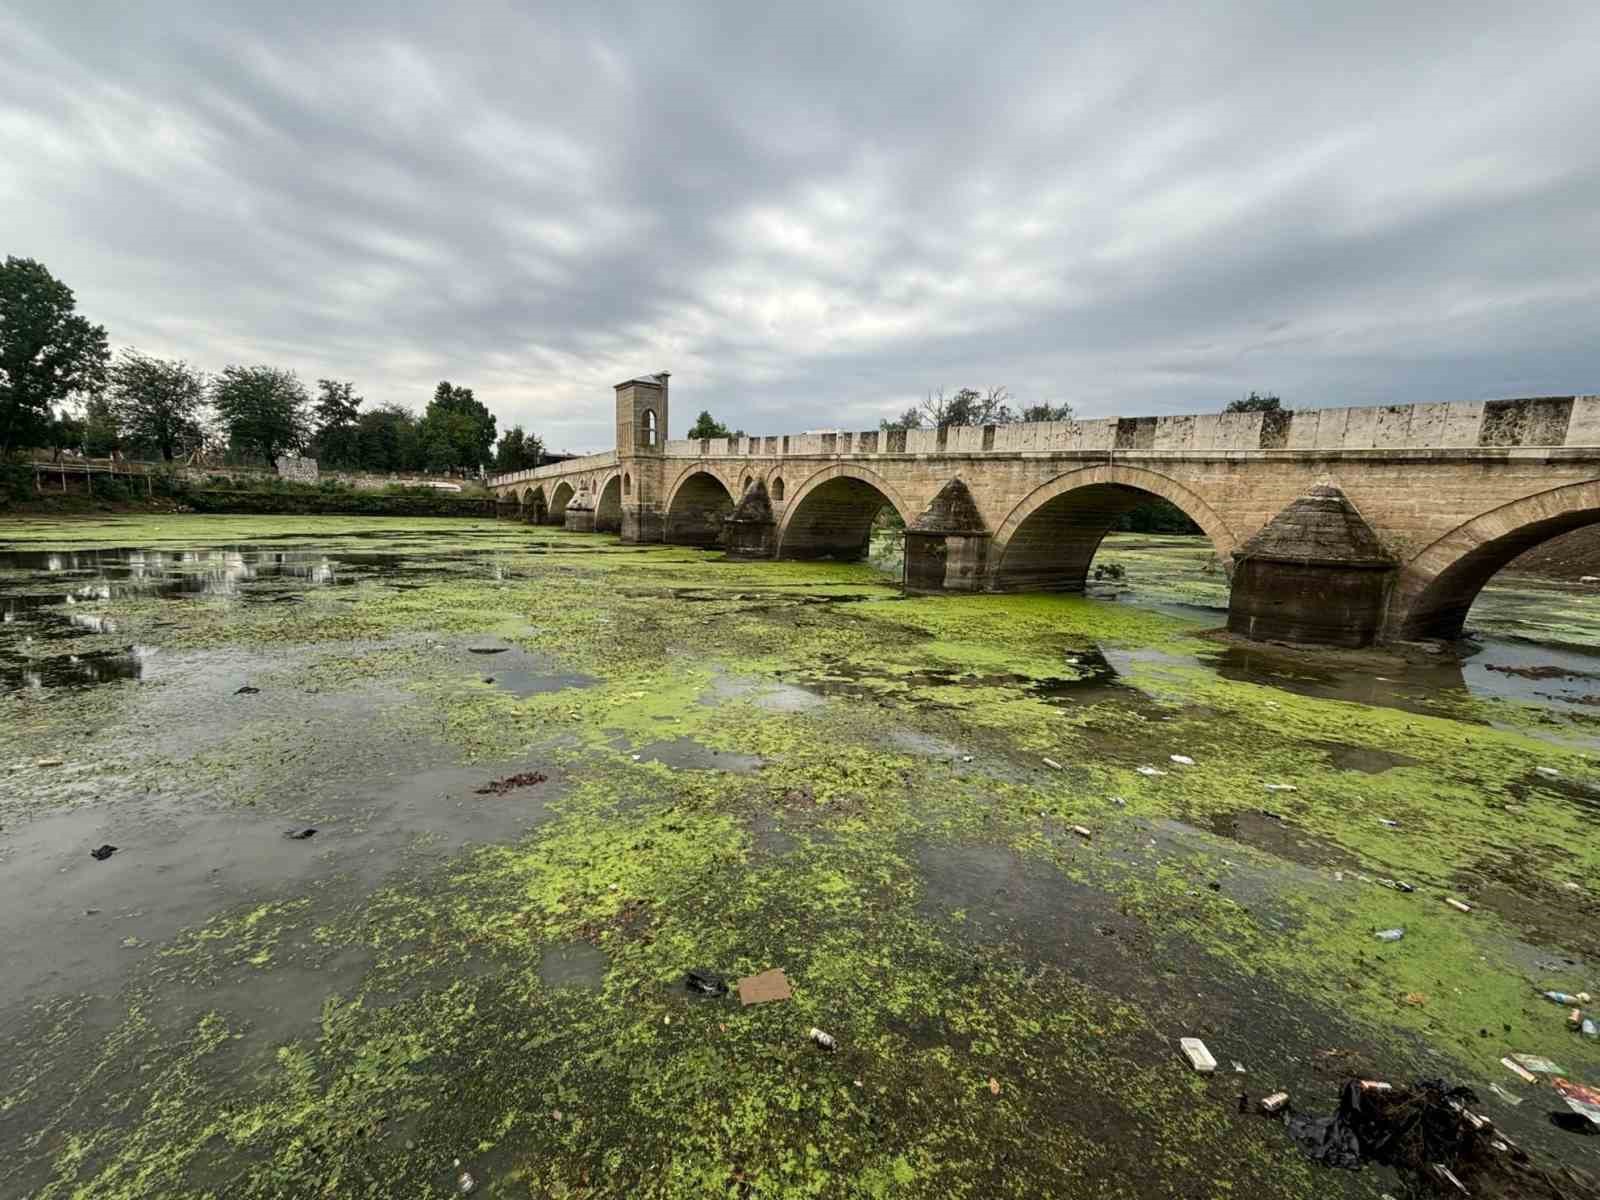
{"x": 812, "y": 219}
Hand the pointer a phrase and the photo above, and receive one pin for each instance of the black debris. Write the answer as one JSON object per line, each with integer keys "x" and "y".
{"x": 247, "y": 690}
{"x": 300, "y": 835}
{"x": 103, "y": 852}
{"x": 705, "y": 983}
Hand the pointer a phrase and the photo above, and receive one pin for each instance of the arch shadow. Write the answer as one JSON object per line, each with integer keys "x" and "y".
{"x": 608, "y": 506}
{"x": 831, "y": 513}
{"x": 697, "y": 510}
{"x": 1049, "y": 538}
{"x": 560, "y": 497}
{"x": 1436, "y": 588}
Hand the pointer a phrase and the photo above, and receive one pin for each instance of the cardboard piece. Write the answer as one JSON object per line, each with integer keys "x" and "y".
{"x": 768, "y": 985}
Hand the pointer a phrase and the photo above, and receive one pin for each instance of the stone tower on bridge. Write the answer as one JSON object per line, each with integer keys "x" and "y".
{"x": 641, "y": 433}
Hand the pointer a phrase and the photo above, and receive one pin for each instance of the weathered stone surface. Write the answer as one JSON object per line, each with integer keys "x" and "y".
{"x": 751, "y": 529}
{"x": 1316, "y": 573}
{"x": 1436, "y": 482}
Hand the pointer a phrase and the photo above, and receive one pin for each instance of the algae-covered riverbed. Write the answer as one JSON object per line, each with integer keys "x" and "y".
{"x": 746, "y": 766}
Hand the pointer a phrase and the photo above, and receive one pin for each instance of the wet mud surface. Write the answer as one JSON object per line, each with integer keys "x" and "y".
{"x": 549, "y": 774}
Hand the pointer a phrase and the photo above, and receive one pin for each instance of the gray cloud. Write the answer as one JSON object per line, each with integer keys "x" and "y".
{"x": 812, "y": 217}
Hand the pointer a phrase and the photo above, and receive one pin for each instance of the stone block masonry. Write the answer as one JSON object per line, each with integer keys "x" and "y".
{"x": 1450, "y": 492}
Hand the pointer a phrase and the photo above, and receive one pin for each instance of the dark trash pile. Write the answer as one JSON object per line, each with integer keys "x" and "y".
{"x": 1431, "y": 1135}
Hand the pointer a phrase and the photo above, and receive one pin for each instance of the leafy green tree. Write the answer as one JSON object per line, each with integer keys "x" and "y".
{"x": 457, "y": 430}
{"x": 157, "y": 402}
{"x": 1047, "y": 412}
{"x": 1255, "y": 402}
{"x": 48, "y": 353}
{"x": 102, "y": 435}
{"x": 518, "y": 451}
{"x": 337, "y": 414}
{"x": 263, "y": 410}
{"x": 65, "y": 432}
{"x": 910, "y": 419}
{"x": 388, "y": 439}
{"x": 707, "y": 427}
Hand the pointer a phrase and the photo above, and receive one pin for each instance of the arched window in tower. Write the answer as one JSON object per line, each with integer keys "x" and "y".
{"x": 627, "y": 484}
{"x": 777, "y": 488}
{"x": 648, "y": 425}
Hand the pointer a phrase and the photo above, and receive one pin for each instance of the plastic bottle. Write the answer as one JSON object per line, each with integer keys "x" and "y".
{"x": 1389, "y": 935}
{"x": 1588, "y": 1029}
{"x": 1560, "y": 998}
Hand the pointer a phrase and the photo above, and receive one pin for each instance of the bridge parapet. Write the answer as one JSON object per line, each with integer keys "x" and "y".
{"x": 1550, "y": 422}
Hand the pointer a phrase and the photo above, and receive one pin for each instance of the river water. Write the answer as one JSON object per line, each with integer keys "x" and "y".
{"x": 1006, "y": 849}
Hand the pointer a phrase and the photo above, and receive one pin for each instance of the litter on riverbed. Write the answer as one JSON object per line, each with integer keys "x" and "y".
{"x": 1397, "y": 885}
{"x": 1585, "y": 1101}
{"x": 1560, "y": 998}
{"x": 1588, "y": 1029}
{"x": 103, "y": 852}
{"x": 1517, "y": 1069}
{"x": 300, "y": 835}
{"x": 1429, "y": 1135}
{"x": 1183, "y": 760}
{"x": 247, "y": 690}
{"x": 1389, "y": 935}
{"x": 50, "y": 762}
{"x": 1052, "y": 764}
{"x": 1274, "y": 1103}
{"x": 994, "y": 1086}
{"x": 705, "y": 983}
{"x": 824, "y": 1040}
{"x": 1150, "y": 771}
{"x": 1388, "y": 824}
{"x": 1510, "y": 1098}
{"x": 1280, "y": 787}
{"x": 1081, "y": 831}
{"x": 1458, "y": 905}
{"x": 764, "y": 987}
{"x": 1548, "y": 772}
{"x": 1539, "y": 1064}
{"x": 1197, "y": 1054}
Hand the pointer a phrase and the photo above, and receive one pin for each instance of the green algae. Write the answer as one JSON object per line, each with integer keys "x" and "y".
{"x": 448, "y": 1046}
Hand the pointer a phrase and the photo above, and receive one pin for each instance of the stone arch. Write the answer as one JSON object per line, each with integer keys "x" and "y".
{"x": 538, "y": 507}
{"x": 832, "y": 512}
{"x": 1049, "y": 538}
{"x": 747, "y": 484}
{"x": 1436, "y": 588}
{"x": 776, "y": 490}
{"x": 608, "y": 505}
{"x": 697, "y": 508}
{"x": 560, "y": 496}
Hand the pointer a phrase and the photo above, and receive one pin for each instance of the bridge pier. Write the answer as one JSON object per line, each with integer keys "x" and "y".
{"x": 751, "y": 530}
{"x": 580, "y": 513}
{"x": 1315, "y": 574}
{"x": 947, "y": 547}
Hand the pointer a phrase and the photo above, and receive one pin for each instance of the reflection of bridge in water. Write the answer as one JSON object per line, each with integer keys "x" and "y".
{"x": 1340, "y": 525}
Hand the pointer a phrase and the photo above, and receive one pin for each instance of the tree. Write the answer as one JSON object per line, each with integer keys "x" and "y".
{"x": 518, "y": 451}
{"x": 157, "y": 402}
{"x": 337, "y": 412}
{"x": 387, "y": 439}
{"x": 1255, "y": 402}
{"x": 263, "y": 410}
{"x": 65, "y": 432}
{"x": 457, "y": 430}
{"x": 1047, "y": 412}
{"x": 48, "y": 353}
{"x": 102, "y": 436}
{"x": 707, "y": 427}
{"x": 972, "y": 407}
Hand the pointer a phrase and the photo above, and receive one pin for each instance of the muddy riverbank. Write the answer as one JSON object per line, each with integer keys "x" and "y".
{"x": 548, "y": 774}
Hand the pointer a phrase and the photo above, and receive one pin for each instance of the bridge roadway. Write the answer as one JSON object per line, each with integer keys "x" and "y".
{"x": 1338, "y": 525}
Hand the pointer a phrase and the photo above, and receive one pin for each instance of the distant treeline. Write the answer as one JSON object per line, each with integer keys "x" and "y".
{"x": 61, "y": 389}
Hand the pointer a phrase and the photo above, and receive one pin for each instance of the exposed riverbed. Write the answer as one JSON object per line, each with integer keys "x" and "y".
{"x": 549, "y": 773}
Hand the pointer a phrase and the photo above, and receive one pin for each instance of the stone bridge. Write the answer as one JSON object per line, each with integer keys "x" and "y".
{"x": 1336, "y": 525}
